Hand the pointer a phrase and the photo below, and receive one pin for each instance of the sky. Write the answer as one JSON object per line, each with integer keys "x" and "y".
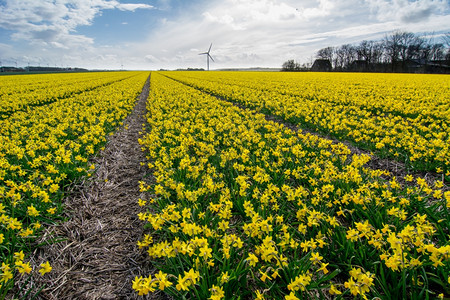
{"x": 170, "y": 34}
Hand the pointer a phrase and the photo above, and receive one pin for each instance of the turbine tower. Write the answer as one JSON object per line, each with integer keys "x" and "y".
{"x": 208, "y": 56}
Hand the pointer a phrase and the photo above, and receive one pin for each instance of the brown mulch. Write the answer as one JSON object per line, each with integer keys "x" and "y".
{"x": 99, "y": 257}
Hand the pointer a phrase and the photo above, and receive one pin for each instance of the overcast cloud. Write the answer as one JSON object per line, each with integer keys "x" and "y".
{"x": 171, "y": 34}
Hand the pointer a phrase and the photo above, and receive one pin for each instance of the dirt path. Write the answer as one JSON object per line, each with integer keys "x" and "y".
{"x": 100, "y": 258}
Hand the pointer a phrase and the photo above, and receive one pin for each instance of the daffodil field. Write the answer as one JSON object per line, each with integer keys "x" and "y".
{"x": 396, "y": 115}
{"x": 247, "y": 208}
{"x": 238, "y": 206}
{"x": 49, "y": 127}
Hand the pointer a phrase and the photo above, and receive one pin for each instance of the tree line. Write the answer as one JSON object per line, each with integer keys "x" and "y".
{"x": 399, "y": 51}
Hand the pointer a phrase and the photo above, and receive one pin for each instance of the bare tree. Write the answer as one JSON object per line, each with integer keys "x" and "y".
{"x": 402, "y": 46}
{"x": 378, "y": 52}
{"x": 339, "y": 58}
{"x": 392, "y": 47}
{"x": 290, "y": 66}
{"x": 407, "y": 42}
{"x": 344, "y": 56}
{"x": 446, "y": 42}
{"x": 350, "y": 54}
{"x": 425, "y": 52}
{"x": 325, "y": 53}
{"x": 365, "y": 51}
{"x": 437, "y": 52}
{"x": 396, "y": 48}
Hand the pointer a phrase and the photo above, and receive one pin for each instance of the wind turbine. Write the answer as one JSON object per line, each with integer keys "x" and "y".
{"x": 208, "y": 56}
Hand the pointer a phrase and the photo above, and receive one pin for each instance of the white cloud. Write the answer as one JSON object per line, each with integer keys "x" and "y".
{"x": 133, "y": 7}
{"x": 247, "y": 14}
{"x": 325, "y": 8}
{"x": 54, "y": 22}
{"x": 248, "y": 32}
{"x": 406, "y": 11}
{"x": 150, "y": 58}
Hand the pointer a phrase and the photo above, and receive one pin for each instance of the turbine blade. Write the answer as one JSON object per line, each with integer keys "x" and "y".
{"x": 209, "y": 48}
{"x": 211, "y": 57}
